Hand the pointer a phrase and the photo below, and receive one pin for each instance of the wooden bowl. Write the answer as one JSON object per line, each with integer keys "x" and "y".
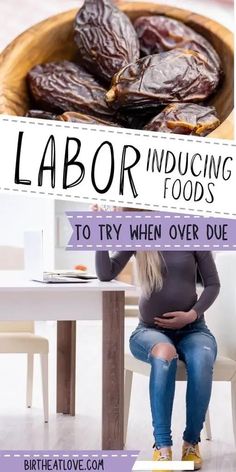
{"x": 52, "y": 40}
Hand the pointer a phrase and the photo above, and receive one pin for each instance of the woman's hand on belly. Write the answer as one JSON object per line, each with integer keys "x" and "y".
{"x": 175, "y": 319}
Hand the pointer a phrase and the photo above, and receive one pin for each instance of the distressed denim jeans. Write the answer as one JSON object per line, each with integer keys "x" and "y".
{"x": 197, "y": 348}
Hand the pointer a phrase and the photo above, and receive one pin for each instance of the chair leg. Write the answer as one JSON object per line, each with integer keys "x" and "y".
{"x": 233, "y": 401}
{"x": 127, "y": 396}
{"x": 44, "y": 371}
{"x": 30, "y": 372}
{"x": 207, "y": 426}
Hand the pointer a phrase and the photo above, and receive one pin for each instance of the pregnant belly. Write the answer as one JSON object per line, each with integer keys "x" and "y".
{"x": 159, "y": 304}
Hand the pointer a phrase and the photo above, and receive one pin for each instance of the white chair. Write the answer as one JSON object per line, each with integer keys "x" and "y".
{"x": 11, "y": 258}
{"x": 19, "y": 337}
{"x": 221, "y": 319}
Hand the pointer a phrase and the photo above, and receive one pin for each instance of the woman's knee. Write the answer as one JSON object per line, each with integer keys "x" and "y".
{"x": 164, "y": 351}
{"x": 201, "y": 360}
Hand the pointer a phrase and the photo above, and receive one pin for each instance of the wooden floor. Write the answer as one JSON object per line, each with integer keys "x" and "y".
{"x": 22, "y": 428}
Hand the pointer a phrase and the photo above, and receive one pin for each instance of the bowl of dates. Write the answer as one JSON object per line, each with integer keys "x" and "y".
{"x": 134, "y": 65}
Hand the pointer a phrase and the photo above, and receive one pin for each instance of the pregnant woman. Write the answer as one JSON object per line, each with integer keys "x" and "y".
{"x": 172, "y": 326}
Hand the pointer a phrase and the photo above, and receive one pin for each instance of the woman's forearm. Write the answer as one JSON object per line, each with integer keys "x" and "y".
{"x": 206, "y": 299}
{"x": 211, "y": 282}
{"x": 103, "y": 265}
{"x": 108, "y": 267}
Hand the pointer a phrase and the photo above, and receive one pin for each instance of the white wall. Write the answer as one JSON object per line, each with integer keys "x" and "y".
{"x": 21, "y": 213}
{"x": 68, "y": 259}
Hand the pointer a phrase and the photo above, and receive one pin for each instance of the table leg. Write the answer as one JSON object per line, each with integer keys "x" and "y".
{"x": 66, "y": 363}
{"x": 113, "y": 371}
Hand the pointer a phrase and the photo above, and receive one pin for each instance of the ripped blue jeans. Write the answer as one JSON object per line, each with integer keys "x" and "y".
{"x": 197, "y": 348}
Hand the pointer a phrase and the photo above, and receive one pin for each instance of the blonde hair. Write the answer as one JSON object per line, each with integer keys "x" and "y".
{"x": 148, "y": 264}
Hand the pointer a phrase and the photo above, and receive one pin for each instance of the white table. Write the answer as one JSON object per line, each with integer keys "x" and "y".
{"x": 21, "y": 299}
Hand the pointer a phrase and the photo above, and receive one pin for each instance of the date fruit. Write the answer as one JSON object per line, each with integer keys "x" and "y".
{"x": 160, "y": 33}
{"x": 46, "y": 115}
{"x": 63, "y": 86}
{"x": 134, "y": 120}
{"x": 106, "y": 38}
{"x": 174, "y": 76}
{"x": 75, "y": 117}
{"x": 185, "y": 118}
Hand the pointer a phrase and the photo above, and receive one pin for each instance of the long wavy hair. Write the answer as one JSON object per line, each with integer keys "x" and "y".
{"x": 148, "y": 268}
{"x": 148, "y": 264}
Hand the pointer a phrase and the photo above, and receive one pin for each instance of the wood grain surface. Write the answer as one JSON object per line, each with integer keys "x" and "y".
{"x": 113, "y": 371}
{"x": 52, "y": 39}
{"x": 66, "y": 368}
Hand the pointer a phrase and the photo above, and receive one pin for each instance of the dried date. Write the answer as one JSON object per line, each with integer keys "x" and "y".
{"x": 75, "y": 117}
{"x": 160, "y": 33}
{"x": 127, "y": 121}
{"x": 105, "y": 37}
{"x": 63, "y": 86}
{"x": 173, "y": 76}
{"x": 185, "y": 118}
{"x": 46, "y": 115}
{"x": 134, "y": 120}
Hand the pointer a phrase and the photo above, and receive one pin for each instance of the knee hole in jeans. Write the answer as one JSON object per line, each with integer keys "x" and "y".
{"x": 164, "y": 351}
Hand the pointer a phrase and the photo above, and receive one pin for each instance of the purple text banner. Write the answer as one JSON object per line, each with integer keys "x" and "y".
{"x": 149, "y": 231}
{"x": 64, "y": 461}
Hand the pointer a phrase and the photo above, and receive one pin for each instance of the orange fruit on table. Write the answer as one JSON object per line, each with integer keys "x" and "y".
{"x": 80, "y": 267}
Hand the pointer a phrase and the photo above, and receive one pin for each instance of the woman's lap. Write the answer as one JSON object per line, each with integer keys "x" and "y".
{"x": 194, "y": 337}
{"x": 194, "y": 345}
